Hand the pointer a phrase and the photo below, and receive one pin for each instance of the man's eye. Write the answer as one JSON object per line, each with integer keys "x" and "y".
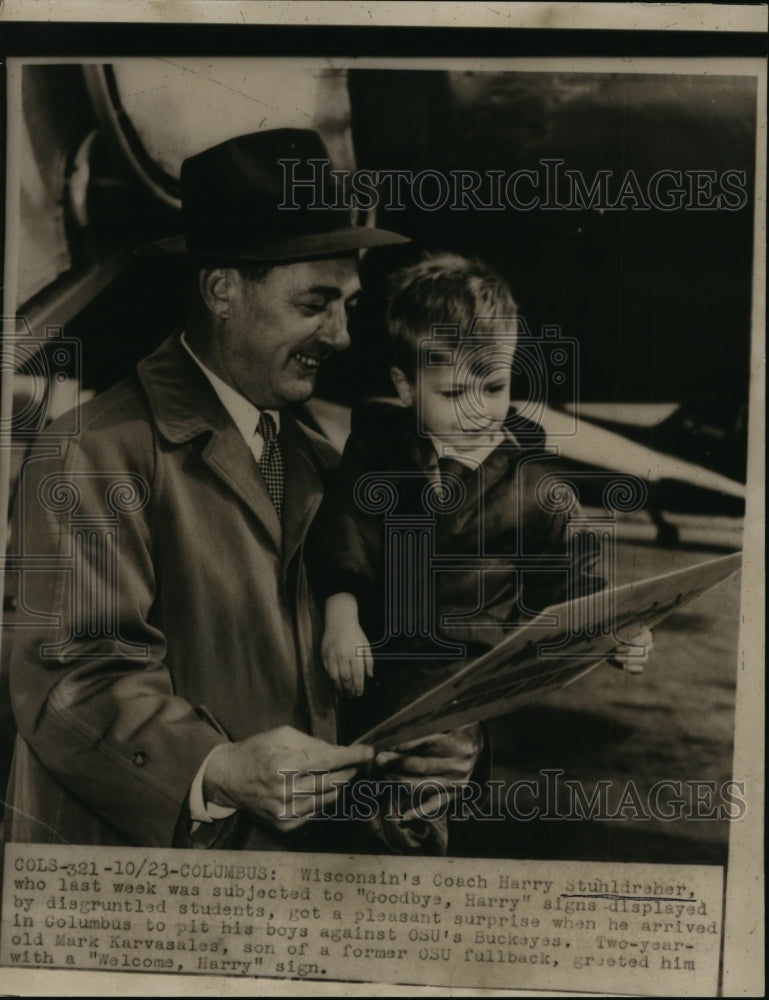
{"x": 312, "y": 307}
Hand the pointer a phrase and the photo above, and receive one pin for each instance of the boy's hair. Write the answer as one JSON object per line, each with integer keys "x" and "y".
{"x": 445, "y": 290}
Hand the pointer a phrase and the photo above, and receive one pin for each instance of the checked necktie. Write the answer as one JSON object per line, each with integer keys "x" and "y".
{"x": 271, "y": 462}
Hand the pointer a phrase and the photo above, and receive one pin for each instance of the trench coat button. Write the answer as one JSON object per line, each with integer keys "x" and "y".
{"x": 139, "y": 757}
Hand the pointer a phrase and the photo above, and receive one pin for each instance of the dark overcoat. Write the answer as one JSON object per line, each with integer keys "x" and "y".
{"x": 444, "y": 559}
{"x": 160, "y": 610}
{"x": 501, "y": 532}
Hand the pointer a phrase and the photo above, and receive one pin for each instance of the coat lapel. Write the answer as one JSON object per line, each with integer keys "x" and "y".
{"x": 185, "y": 406}
{"x": 228, "y": 457}
{"x": 303, "y": 485}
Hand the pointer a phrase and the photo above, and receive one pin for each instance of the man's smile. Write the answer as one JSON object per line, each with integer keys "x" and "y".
{"x": 308, "y": 361}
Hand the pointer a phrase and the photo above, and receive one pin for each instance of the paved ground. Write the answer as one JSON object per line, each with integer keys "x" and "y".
{"x": 675, "y": 722}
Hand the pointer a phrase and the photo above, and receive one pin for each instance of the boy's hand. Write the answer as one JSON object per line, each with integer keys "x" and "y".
{"x": 634, "y": 663}
{"x": 347, "y": 657}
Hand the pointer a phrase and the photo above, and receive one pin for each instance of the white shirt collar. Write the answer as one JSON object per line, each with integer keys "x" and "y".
{"x": 244, "y": 414}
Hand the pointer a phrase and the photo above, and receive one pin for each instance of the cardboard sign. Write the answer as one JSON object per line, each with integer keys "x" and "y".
{"x": 560, "y": 645}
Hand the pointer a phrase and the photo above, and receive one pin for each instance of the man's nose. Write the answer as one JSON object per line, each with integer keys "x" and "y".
{"x": 334, "y": 329}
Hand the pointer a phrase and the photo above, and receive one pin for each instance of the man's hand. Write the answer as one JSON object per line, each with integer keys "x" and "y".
{"x": 282, "y": 776}
{"x": 446, "y": 758}
{"x": 633, "y": 663}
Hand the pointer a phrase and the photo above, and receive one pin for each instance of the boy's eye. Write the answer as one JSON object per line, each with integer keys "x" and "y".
{"x": 493, "y": 390}
{"x": 452, "y": 393}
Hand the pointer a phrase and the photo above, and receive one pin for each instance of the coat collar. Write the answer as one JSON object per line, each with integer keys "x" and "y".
{"x": 245, "y": 415}
{"x": 182, "y": 400}
{"x": 184, "y": 407}
{"x": 418, "y": 449}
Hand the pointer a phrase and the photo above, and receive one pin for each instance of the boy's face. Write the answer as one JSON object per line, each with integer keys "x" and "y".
{"x": 470, "y": 397}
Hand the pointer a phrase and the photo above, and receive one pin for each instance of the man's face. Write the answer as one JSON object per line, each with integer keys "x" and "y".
{"x": 282, "y": 326}
{"x": 471, "y": 397}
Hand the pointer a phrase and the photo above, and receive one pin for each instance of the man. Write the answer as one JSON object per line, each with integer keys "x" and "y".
{"x": 165, "y": 676}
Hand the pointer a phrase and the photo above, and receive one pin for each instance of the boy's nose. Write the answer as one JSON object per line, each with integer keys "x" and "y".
{"x": 485, "y": 406}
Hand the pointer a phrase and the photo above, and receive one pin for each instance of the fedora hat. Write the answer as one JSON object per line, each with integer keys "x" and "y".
{"x": 248, "y": 200}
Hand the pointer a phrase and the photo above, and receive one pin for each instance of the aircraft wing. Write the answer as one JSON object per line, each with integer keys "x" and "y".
{"x": 597, "y": 446}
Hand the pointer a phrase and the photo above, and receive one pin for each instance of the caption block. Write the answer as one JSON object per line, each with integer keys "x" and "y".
{"x": 643, "y": 929}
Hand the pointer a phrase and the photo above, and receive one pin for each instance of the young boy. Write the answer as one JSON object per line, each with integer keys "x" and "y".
{"x": 439, "y": 531}
{"x": 454, "y": 469}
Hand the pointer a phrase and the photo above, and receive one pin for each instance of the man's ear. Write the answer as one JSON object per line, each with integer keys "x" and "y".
{"x": 403, "y": 387}
{"x": 215, "y": 291}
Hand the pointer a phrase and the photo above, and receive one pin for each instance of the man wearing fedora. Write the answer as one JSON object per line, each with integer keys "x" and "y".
{"x": 165, "y": 676}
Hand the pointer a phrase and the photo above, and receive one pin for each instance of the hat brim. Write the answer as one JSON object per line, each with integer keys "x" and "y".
{"x": 294, "y": 248}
